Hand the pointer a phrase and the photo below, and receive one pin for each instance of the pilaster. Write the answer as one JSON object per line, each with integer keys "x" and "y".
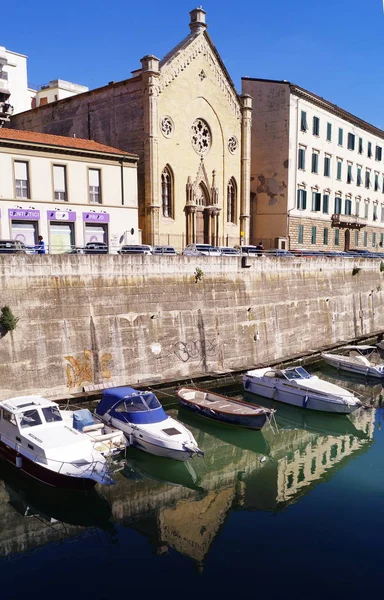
{"x": 245, "y": 189}
{"x": 150, "y": 78}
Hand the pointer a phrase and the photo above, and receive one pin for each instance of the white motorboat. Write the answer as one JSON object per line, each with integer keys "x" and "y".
{"x": 107, "y": 440}
{"x": 361, "y": 360}
{"x": 145, "y": 424}
{"x": 297, "y": 387}
{"x": 35, "y": 438}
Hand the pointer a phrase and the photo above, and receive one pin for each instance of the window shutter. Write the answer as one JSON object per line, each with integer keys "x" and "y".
{"x": 94, "y": 177}
{"x": 21, "y": 171}
{"x": 59, "y": 178}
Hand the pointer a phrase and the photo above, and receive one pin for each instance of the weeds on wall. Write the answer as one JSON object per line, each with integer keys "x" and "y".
{"x": 7, "y": 319}
{"x": 381, "y": 266}
{"x": 356, "y": 270}
{"x": 198, "y": 274}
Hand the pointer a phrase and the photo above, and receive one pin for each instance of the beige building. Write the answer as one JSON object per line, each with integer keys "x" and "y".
{"x": 317, "y": 175}
{"x": 70, "y": 191}
{"x": 184, "y": 118}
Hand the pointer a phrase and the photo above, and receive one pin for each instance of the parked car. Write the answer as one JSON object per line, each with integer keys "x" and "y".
{"x": 135, "y": 249}
{"x": 227, "y": 251}
{"x": 250, "y": 250}
{"x": 364, "y": 253}
{"x": 76, "y": 250}
{"x": 278, "y": 252}
{"x": 96, "y": 248}
{"x": 12, "y": 247}
{"x": 201, "y": 250}
{"x": 169, "y": 250}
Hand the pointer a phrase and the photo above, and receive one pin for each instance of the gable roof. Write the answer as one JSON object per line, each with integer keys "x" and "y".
{"x": 186, "y": 42}
{"x": 60, "y": 141}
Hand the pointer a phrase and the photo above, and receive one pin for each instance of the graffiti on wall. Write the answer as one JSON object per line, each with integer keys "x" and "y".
{"x": 194, "y": 350}
{"x": 87, "y": 368}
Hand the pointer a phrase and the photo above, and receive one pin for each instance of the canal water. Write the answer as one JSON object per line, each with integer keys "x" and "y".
{"x": 293, "y": 511}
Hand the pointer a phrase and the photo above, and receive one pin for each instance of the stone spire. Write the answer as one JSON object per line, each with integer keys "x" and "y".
{"x": 197, "y": 24}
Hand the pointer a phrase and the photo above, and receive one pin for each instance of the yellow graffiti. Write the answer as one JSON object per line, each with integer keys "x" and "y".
{"x": 80, "y": 370}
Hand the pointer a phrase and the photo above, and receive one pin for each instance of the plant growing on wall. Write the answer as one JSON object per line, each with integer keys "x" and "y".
{"x": 198, "y": 274}
{"x": 8, "y": 319}
{"x": 356, "y": 270}
{"x": 381, "y": 266}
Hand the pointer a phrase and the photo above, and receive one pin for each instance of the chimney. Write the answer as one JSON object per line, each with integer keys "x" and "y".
{"x": 197, "y": 24}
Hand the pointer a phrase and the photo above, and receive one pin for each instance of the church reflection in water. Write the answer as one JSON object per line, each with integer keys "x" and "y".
{"x": 183, "y": 505}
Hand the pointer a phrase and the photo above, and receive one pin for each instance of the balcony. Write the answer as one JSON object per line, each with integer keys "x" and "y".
{"x": 347, "y": 221}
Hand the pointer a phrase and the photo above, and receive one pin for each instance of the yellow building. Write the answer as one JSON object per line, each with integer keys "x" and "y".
{"x": 183, "y": 117}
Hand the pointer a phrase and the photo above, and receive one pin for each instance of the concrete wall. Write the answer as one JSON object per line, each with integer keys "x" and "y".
{"x": 114, "y": 320}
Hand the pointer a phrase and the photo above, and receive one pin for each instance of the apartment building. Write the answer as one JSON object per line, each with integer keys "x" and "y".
{"x": 317, "y": 171}
{"x": 70, "y": 191}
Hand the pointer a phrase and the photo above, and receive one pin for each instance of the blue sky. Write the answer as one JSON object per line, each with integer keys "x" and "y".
{"x": 333, "y": 48}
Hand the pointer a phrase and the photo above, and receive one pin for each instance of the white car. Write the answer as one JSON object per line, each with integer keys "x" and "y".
{"x": 228, "y": 251}
{"x": 201, "y": 250}
{"x": 135, "y": 249}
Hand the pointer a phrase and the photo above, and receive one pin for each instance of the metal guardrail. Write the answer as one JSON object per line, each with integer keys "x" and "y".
{"x": 166, "y": 251}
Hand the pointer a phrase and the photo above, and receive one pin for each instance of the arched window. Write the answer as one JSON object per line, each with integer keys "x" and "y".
{"x": 231, "y": 200}
{"x": 167, "y": 192}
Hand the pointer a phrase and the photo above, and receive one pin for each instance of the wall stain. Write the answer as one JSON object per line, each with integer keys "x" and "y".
{"x": 83, "y": 370}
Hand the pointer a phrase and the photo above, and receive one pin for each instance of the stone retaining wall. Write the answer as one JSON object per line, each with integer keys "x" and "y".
{"x": 111, "y": 320}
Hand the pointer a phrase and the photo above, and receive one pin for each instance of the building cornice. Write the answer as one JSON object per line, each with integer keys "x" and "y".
{"x": 325, "y": 104}
{"x": 51, "y": 149}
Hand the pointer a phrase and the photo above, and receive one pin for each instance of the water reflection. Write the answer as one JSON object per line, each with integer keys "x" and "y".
{"x": 183, "y": 506}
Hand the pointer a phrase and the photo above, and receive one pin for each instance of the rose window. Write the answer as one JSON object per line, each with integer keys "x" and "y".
{"x": 201, "y": 136}
{"x": 167, "y": 127}
{"x": 232, "y": 144}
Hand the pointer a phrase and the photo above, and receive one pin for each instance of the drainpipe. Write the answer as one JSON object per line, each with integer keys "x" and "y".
{"x": 294, "y": 160}
{"x": 122, "y": 180}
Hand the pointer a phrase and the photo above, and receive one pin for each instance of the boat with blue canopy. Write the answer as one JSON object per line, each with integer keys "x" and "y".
{"x": 145, "y": 423}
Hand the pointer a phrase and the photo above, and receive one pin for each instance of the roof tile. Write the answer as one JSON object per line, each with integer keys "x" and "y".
{"x": 47, "y": 139}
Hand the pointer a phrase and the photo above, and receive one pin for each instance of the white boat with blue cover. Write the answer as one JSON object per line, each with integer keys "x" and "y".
{"x": 297, "y": 387}
{"x": 360, "y": 360}
{"x": 145, "y": 423}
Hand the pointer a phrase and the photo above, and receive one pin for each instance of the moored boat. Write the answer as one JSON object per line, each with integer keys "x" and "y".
{"x": 223, "y": 408}
{"x": 36, "y": 440}
{"x": 145, "y": 424}
{"x": 360, "y": 360}
{"x": 297, "y": 387}
{"x": 107, "y": 440}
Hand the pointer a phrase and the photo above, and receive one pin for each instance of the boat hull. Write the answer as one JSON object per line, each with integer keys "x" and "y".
{"x": 350, "y": 367}
{"x": 249, "y": 422}
{"x": 152, "y": 448}
{"x": 296, "y": 397}
{"x": 42, "y": 474}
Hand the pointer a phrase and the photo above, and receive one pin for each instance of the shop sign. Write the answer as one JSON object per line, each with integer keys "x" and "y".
{"x": 20, "y": 214}
{"x": 61, "y": 215}
{"x": 94, "y": 217}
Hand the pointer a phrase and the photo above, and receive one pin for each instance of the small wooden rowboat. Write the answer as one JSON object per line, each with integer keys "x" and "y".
{"x": 222, "y": 408}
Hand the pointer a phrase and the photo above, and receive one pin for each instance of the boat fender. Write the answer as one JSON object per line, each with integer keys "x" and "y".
{"x": 305, "y": 402}
{"x": 246, "y": 384}
{"x": 19, "y": 461}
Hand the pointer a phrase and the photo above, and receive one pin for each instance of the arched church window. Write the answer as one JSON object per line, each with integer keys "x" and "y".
{"x": 231, "y": 200}
{"x": 201, "y": 136}
{"x": 167, "y": 192}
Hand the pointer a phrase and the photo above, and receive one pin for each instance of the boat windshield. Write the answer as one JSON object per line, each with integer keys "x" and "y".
{"x": 296, "y": 373}
{"x": 52, "y": 414}
{"x": 142, "y": 402}
{"x": 30, "y": 418}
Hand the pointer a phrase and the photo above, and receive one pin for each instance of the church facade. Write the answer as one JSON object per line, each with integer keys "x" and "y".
{"x": 192, "y": 132}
